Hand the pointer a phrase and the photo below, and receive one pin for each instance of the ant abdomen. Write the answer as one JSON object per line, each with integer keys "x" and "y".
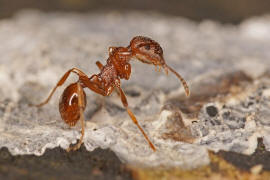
{"x": 68, "y": 104}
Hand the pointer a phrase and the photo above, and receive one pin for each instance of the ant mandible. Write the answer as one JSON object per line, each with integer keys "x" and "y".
{"x": 73, "y": 100}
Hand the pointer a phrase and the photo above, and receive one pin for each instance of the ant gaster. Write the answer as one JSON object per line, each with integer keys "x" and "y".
{"x": 73, "y": 100}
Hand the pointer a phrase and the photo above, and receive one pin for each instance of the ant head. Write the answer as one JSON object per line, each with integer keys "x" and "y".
{"x": 147, "y": 50}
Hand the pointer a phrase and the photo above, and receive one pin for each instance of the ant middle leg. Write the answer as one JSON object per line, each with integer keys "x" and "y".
{"x": 61, "y": 82}
{"x": 132, "y": 116}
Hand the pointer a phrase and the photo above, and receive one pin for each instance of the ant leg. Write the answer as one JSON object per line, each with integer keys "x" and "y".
{"x": 61, "y": 82}
{"x": 132, "y": 116}
{"x": 99, "y": 65}
{"x": 80, "y": 105}
{"x": 94, "y": 83}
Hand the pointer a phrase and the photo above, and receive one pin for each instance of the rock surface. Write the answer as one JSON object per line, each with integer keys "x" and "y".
{"x": 227, "y": 68}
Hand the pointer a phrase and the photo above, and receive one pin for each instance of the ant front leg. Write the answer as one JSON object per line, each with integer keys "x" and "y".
{"x": 61, "y": 82}
{"x": 132, "y": 116}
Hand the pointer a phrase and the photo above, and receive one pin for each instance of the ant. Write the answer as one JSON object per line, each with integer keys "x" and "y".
{"x": 73, "y": 100}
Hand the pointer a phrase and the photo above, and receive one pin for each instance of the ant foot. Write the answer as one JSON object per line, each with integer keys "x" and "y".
{"x": 75, "y": 147}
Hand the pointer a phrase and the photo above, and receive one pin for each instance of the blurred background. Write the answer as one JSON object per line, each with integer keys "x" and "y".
{"x": 224, "y": 11}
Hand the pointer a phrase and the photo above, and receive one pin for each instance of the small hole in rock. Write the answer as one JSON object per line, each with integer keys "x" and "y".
{"x": 211, "y": 111}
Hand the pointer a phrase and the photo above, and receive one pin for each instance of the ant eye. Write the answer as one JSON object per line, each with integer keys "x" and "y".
{"x": 147, "y": 46}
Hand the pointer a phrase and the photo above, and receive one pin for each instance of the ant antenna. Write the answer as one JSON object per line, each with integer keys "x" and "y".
{"x": 166, "y": 67}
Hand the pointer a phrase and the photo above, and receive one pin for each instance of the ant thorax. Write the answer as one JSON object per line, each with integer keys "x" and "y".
{"x": 108, "y": 74}
{"x": 119, "y": 58}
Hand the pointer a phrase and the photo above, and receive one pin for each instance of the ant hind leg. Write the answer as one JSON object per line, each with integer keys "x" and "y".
{"x": 60, "y": 83}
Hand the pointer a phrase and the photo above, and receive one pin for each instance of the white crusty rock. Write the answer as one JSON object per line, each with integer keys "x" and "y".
{"x": 227, "y": 68}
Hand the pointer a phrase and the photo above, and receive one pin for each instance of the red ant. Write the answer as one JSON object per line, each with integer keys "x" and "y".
{"x": 73, "y": 100}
